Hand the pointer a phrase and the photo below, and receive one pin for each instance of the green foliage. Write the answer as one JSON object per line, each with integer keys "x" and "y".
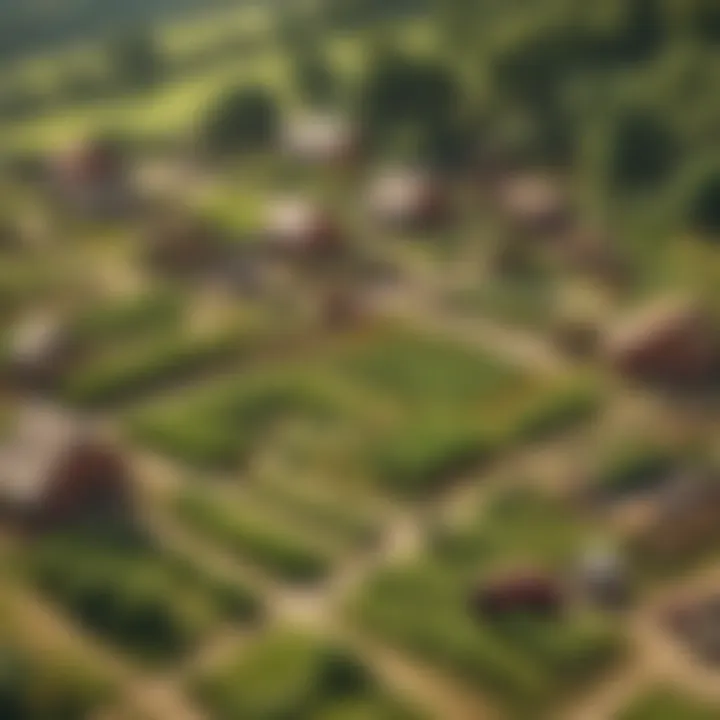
{"x": 402, "y": 91}
{"x": 315, "y": 77}
{"x": 138, "y": 369}
{"x": 421, "y": 370}
{"x": 280, "y": 552}
{"x": 135, "y": 60}
{"x": 557, "y": 411}
{"x": 667, "y": 704}
{"x": 127, "y": 320}
{"x": 137, "y": 597}
{"x": 218, "y": 429}
{"x": 427, "y": 453}
{"x": 286, "y": 675}
{"x": 332, "y": 515}
{"x": 244, "y": 118}
{"x": 701, "y": 199}
{"x": 43, "y": 688}
{"x": 634, "y": 466}
{"x": 642, "y": 151}
{"x": 525, "y": 663}
{"x": 424, "y": 610}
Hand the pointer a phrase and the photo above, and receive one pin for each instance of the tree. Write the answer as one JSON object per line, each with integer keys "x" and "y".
{"x": 135, "y": 60}
{"x": 240, "y": 119}
{"x": 701, "y": 198}
{"x": 315, "y": 77}
{"x": 641, "y": 150}
{"x": 404, "y": 91}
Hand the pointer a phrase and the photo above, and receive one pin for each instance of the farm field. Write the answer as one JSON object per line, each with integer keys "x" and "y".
{"x": 360, "y": 361}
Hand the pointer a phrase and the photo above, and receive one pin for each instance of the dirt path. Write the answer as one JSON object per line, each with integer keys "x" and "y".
{"x": 416, "y": 301}
{"x": 145, "y": 694}
{"x": 656, "y": 657}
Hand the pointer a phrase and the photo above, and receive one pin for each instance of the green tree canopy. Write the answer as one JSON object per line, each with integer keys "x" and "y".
{"x": 242, "y": 118}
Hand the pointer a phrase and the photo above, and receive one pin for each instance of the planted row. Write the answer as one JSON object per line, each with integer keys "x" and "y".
{"x": 288, "y": 675}
{"x": 279, "y": 552}
{"x": 131, "y": 372}
{"x": 142, "y": 599}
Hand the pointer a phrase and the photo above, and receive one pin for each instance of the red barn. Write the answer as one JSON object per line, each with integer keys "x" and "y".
{"x": 527, "y": 592}
{"x": 672, "y": 340}
{"x": 56, "y": 472}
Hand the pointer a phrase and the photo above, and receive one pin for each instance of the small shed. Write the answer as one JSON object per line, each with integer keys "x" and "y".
{"x": 670, "y": 340}
{"x": 321, "y": 139}
{"x": 56, "y": 471}
{"x": 535, "y": 204}
{"x": 299, "y": 228}
{"x": 40, "y": 349}
{"x": 696, "y": 623}
{"x": 602, "y": 576}
{"x": 520, "y": 591}
{"x": 408, "y": 199}
{"x": 92, "y": 178}
{"x": 684, "y": 518}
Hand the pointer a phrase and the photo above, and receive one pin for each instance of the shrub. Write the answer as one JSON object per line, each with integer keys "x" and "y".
{"x": 404, "y": 91}
{"x": 291, "y": 675}
{"x": 134, "y": 596}
{"x": 135, "y": 60}
{"x": 193, "y": 439}
{"x": 240, "y": 119}
{"x": 701, "y": 199}
{"x": 47, "y": 688}
{"x": 642, "y": 150}
{"x": 330, "y": 515}
{"x": 119, "y": 376}
{"x": 557, "y": 411}
{"x": 426, "y": 454}
{"x": 633, "y": 467}
{"x": 128, "y": 319}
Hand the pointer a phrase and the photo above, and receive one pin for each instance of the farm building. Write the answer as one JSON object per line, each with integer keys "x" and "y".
{"x": 39, "y": 350}
{"x": 690, "y": 506}
{"x": 671, "y": 340}
{"x": 408, "y": 199}
{"x": 321, "y": 139}
{"x": 55, "y": 471}
{"x": 526, "y": 591}
{"x": 535, "y": 204}
{"x": 91, "y": 178}
{"x": 602, "y": 576}
{"x": 696, "y": 622}
{"x": 299, "y": 228}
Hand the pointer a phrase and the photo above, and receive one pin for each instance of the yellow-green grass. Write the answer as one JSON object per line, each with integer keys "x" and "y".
{"x": 174, "y": 108}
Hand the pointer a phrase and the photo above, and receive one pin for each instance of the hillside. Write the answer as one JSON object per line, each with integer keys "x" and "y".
{"x": 32, "y": 25}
